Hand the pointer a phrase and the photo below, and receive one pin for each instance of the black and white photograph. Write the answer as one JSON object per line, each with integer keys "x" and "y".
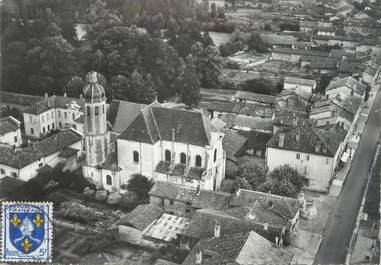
{"x": 179, "y": 132}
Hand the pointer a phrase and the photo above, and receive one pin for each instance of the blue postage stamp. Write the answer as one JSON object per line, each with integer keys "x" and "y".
{"x": 27, "y": 230}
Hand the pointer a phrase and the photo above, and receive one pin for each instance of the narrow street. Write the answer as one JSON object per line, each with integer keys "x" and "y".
{"x": 338, "y": 232}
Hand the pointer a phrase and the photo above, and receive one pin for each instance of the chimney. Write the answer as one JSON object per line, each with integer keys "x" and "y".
{"x": 281, "y": 140}
{"x": 65, "y": 95}
{"x": 217, "y": 230}
{"x": 199, "y": 257}
{"x": 297, "y": 137}
{"x": 46, "y": 95}
{"x": 198, "y": 190}
{"x": 276, "y": 241}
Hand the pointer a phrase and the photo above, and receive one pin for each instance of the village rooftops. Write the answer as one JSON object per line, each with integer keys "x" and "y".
{"x": 239, "y": 248}
{"x": 172, "y": 191}
{"x": 371, "y": 70}
{"x": 301, "y": 52}
{"x": 155, "y": 123}
{"x": 260, "y": 98}
{"x": 53, "y": 102}
{"x": 142, "y": 216}
{"x": 247, "y": 108}
{"x": 321, "y": 62}
{"x": 283, "y": 117}
{"x": 308, "y": 23}
{"x": 8, "y": 124}
{"x": 299, "y": 81}
{"x": 233, "y": 143}
{"x": 323, "y": 141}
{"x": 217, "y": 94}
{"x": 241, "y": 122}
{"x": 349, "y": 82}
{"x": 17, "y": 158}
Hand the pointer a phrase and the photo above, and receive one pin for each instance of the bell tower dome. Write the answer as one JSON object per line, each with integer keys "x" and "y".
{"x": 97, "y": 138}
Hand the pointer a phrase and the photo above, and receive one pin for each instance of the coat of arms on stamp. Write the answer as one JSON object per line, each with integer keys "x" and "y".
{"x": 27, "y": 229}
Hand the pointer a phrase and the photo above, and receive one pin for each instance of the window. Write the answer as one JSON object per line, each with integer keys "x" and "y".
{"x": 136, "y": 156}
{"x": 351, "y": 92}
{"x": 59, "y": 114}
{"x": 171, "y": 202}
{"x": 167, "y": 155}
{"x": 198, "y": 161}
{"x": 96, "y": 111}
{"x": 48, "y": 127}
{"x": 297, "y": 156}
{"x": 74, "y": 127}
{"x": 15, "y": 139}
{"x": 73, "y": 116}
{"x": 183, "y": 158}
{"x": 108, "y": 180}
{"x": 53, "y": 125}
{"x": 88, "y": 111}
{"x": 187, "y": 210}
{"x": 40, "y": 164}
{"x": 43, "y": 129}
{"x": 308, "y": 157}
{"x": 2, "y": 171}
{"x": 162, "y": 202}
{"x": 60, "y": 125}
{"x": 31, "y": 131}
{"x": 215, "y": 155}
{"x": 14, "y": 174}
{"x": 103, "y": 109}
{"x": 65, "y": 113}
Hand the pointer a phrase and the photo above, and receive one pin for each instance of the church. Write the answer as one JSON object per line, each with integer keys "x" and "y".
{"x": 164, "y": 144}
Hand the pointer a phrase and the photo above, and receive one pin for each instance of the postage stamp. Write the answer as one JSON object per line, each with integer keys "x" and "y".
{"x": 26, "y": 231}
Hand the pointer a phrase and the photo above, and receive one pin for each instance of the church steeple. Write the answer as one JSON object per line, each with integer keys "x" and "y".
{"x": 97, "y": 137}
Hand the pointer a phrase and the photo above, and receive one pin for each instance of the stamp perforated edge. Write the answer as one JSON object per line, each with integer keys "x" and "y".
{"x": 50, "y": 232}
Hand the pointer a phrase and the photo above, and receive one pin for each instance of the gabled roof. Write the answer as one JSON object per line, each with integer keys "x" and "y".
{"x": 51, "y": 103}
{"x": 9, "y": 124}
{"x": 172, "y": 191}
{"x": 299, "y": 81}
{"x": 155, "y": 123}
{"x": 142, "y": 216}
{"x": 121, "y": 113}
{"x": 261, "y": 98}
{"x": 233, "y": 143}
{"x": 302, "y": 52}
{"x": 56, "y": 142}
{"x": 349, "y": 82}
{"x": 322, "y": 141}
{"x": 17, "y": 158}
{"x": 247, "y": 108}
{"x": 239, "y": 248}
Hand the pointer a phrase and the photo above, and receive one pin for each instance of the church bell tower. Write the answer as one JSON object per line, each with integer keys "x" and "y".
{"x": 97, "y": 137}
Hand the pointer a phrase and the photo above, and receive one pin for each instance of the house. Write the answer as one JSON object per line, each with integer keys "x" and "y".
{"x": 363, "y": 28}
{"x": 314, "y": 152}
{"x": 332, "y": 111}
{"x": 291, "y": 100}
{"x": 342, "y": 88}
{"x": 250, "y": 97}
{"x": 294, "y": 55}
{"x": 239, "y": 248}
{"x": 284, "y": 117}
{"x": 370, "y": 74}
{"x": 247, "y": 123}
{"x": 345, "y": 41}
{"x": 308, "y": 25}
{"x": 50, "y": 114}
{"x": 10, "y": 132}
{"x": 300, "y": 85}
{"x": 320, "y": 65}
{"x": 62, "y": 149}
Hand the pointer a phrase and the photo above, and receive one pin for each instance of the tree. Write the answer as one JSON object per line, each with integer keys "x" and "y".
{"x": 253, "y": 173}
{"x": 188, "y": 84}
{"x": 213, "y": 8}
{"x": 140, "y": 185}
{"x": 325, "y": 79}
{"x": 225, "y": 49}
{"x": 267, "y": 27}
{"x": 288, "y": 173}
{"x": 255, "y": 43}
{"x": 289, "y": 26}
{"x": 259, "y": 85}
{"x": 75, "y": 86}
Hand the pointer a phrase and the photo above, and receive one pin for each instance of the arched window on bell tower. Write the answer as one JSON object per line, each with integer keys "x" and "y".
{"x": 88, "y": 111}
{"x": 97, "y": 111}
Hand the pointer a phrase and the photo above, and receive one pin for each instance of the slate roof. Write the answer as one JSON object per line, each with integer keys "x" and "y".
{"x": 299, "y": 81}
{"x": 142, "y": 216}
{"x": 121, "y": 113}
{"x": 308, "y": 23}
{"x": 155, "y": 123}
{"x": 302, "y": 52}
{"x": 370, "y": 70}
{"x": 172, "y": 191}
{"x": 254, "y": 123}
{"x": 247, "y": 108}
{"x": 261, "y": 98}
{"x": 211, "y": 200}
{"x": 328, "y": 139}
{"x": 321, "y": 62}
{"x": 233, "y": 143}
{"x": 68, "y": 152}
{"x": 346, "y": 109}
{"x": 349, "y": 82}
{"x": 8, "y": 124}
{"x": 286, "y": 117}
{"x": 17, "y": 158}
{"x": 55, "y": 143}
{"x": 51, "y": 103}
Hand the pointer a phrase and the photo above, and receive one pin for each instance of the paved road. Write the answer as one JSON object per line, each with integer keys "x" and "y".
{"x": 338, "y": 232}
